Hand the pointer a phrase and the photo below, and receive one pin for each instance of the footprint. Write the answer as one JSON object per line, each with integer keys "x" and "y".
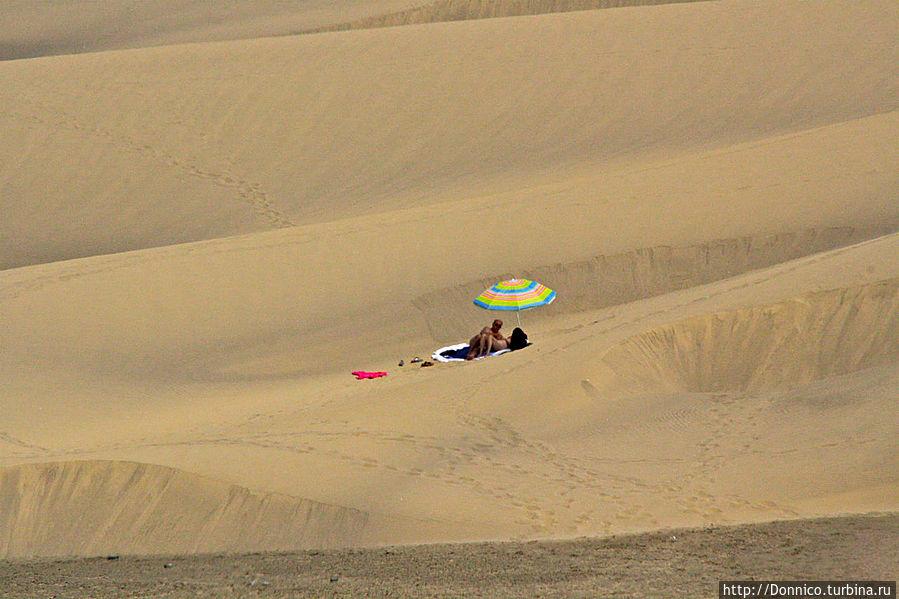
{"x": 589, "y": 389}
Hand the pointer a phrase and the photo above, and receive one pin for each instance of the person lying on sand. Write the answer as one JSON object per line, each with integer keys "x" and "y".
{"x": 488, "y": 340}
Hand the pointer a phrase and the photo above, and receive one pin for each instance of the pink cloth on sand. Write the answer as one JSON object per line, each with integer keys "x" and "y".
{"x": 360, "y": 374}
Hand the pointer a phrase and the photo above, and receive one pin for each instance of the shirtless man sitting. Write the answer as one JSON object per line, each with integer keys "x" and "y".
{"x": 488, "y": 340}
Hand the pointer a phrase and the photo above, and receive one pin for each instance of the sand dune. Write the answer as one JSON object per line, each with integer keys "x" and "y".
{"x": 167, "y": 145}
{"x": 463, "y": 10}
{"x": 200, "y": 242}
{"x": 58, "y": 27}
{"x": 824, "y": 334}
{"x": 608, "y": 280}
{"x": 429, "y": 444}
{"x": 29, "y": 29}
{"x": 96, "y": 508}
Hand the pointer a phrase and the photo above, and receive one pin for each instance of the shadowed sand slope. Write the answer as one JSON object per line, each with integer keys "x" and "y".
{"x": 94, "y": 508}
{"x": 462, "y": 10}
{"x": 825, "y": 334}
{"x": 29, "y": 29}
{"x": 770, "y": 103}
{"x": 610, "y": 279}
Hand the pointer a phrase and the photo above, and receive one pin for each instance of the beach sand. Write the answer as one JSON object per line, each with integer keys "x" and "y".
{"x": 209, "y": 223}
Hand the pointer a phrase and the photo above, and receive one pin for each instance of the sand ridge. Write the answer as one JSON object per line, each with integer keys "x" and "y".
{"x": 103, "y": 507}
{"x": 814, "y": 336}
{"x": 463, "y": 10}
{"x": 75, "y": 26}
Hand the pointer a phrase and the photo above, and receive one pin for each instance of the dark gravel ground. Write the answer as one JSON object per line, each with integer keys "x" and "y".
{"x": 669, "y": 564}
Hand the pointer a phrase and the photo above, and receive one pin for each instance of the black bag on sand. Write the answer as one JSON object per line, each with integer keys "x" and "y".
{"x": 518, "y": 339}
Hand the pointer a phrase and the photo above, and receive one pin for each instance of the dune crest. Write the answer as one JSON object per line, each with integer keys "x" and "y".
{"x": 465, "y": 10}
{"x": 99, "y": 507}
{"x": 611, "y": 279}
{"x": 51, "y": 27}
{"x": 811, "y": 337}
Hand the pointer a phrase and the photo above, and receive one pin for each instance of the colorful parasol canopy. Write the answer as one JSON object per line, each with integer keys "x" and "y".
{"x": 515, "y": 295}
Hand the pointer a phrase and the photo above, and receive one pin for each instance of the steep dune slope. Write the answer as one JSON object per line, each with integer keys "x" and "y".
{"x": 611, "y": 279}
{"x": 463, "y": 10}
{"x": 96, "y": 508}
{"x": 816, "y": 336}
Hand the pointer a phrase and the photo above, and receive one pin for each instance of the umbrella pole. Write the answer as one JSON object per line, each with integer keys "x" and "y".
{"x": 518, "y": 314}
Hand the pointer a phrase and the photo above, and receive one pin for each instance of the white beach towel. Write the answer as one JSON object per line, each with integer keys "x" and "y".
{"x": 438, "y": 354}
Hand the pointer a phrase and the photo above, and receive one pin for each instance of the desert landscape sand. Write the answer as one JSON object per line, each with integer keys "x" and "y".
{"x": 209, "y": 222}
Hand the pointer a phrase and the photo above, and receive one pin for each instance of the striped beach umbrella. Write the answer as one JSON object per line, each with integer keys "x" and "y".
{"x": 515, "y": 295}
